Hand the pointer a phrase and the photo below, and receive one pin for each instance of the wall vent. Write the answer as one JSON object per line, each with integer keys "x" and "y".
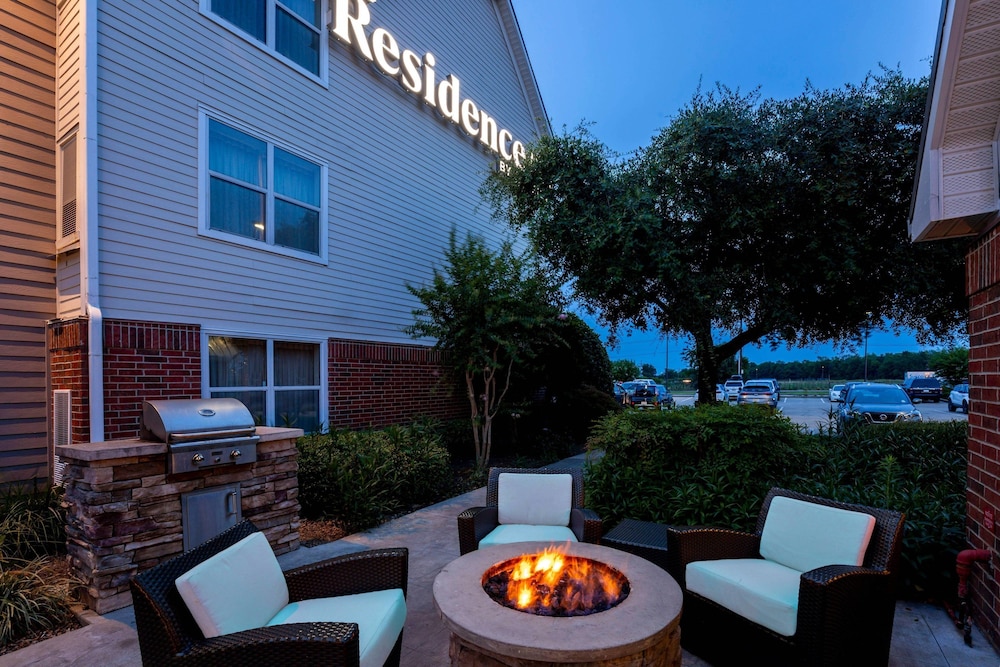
{"x": 67, "y": 233}
{"x": 62, "y": 431}
{"x": 68, "y": 220}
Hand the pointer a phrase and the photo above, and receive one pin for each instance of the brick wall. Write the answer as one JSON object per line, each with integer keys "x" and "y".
{"x": 983, "y": 486}
{"x": 370, "y": 384}
{"x": 378, "y": 384}
{"x": 146, "y": 360}
{"x": 67, "y": 346}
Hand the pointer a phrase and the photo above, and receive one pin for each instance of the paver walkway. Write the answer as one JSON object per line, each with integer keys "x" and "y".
{"x": 923, "y": 635}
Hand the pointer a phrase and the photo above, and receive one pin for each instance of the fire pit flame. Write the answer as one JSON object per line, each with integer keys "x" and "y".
{"x": 550, "y": 583}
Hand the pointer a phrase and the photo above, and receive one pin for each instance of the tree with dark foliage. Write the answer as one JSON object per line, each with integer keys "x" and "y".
{"x": 782, "y": 222}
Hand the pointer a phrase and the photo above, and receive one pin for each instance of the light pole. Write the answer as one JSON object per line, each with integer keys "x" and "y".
{"x": 868, "y": 324}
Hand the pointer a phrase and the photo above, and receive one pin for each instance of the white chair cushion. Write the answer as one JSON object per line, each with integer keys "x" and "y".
{"x": 536, "y": 499}
{"x": 239, "y": 588}
{"x": 512, "y": 532}
{"x": 803, "y": 535}
{"x": 764, "y": 592}
{"x": 380, "y": 616}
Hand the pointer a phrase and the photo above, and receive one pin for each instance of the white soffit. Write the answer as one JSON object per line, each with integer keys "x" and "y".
{"x": 957, "y": 184}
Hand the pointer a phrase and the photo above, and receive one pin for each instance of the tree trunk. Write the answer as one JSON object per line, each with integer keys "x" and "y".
{"x": 708, "y": 365}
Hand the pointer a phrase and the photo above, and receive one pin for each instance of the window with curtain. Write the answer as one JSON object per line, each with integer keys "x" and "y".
{"x": 288, "y": 27}
{"x": 278, "y": 381}
{"x": 259, "y": 191}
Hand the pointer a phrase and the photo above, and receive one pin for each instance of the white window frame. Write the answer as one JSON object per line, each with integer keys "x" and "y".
{"x": 268, "y": 46}
{"x": 268, "y": 245}
{"x": 269, "y": 390}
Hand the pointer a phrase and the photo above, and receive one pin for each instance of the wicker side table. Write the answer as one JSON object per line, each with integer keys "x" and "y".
{"x": 643, "y": 538}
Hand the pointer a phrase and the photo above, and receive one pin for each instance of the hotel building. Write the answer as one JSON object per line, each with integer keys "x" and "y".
{"x": 204, "y": 198}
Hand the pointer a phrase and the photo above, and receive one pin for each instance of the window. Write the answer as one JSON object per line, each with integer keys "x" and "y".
{"x": 280, "y": 382}
{"x": 290, "y": 28}
{"x": 262, "y": 193}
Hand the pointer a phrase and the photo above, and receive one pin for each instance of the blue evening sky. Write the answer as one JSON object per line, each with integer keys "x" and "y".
{"x": 627, "y": 66}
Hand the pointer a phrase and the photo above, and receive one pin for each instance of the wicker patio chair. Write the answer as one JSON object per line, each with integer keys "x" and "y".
{"x": 844, "y": 613}
{"x": 476, "y": 523}
{"x": 170, "y": 635}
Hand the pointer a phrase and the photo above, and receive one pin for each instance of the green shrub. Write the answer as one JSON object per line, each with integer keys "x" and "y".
{"x": 713, "y": 466}
{"x": 32, "y": 523}
{"x": 919, "y": 469}
{"x": 32, "y": 598}
{"x": 32, "y": 532}
{"x": 708, "y": 465}
{"x": 576, "y": 410}
{"x": 360, "y": 478}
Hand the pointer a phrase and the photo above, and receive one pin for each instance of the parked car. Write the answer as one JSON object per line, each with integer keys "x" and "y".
{"x": 733, "y": 387}
{"x": 923, "y": 389}
{"x": 645, "y": 396}
{"x": 873, "y": 403}
{"x": 619, "y": 393}
{"x": 958, "y": 399}
{"x": 720, "y": 394}
{"x": 835, "y": 393}
{"x": 758, "y": 391}
{"x": 847, "y": 388}
{"x": 775, "y": 387}
{"x": 666, "y": 398}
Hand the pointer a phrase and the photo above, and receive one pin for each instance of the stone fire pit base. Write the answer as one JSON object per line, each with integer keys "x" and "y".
{"x": 642, "y": 631}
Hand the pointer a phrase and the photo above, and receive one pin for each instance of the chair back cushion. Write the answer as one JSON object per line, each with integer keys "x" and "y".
{"x": 239, "y": 588}
{"x": 540, "y": 499}
{"x": 519, "y": 532}
{"x": 380, "y": 616}
{"x": 804, "y": 535}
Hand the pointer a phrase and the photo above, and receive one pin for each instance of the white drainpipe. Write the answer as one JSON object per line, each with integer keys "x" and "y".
{"x": 90, "y": 283}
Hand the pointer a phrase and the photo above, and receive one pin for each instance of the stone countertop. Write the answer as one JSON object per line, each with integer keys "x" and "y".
{"x": 129, "y": 447}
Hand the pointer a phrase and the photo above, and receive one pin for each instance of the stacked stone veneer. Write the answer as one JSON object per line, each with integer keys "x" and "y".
{"x": 983, "y": 484}
{"x": 124, "y": 511}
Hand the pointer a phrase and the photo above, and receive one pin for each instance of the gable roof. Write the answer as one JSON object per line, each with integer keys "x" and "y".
{"x": 519, "y": 53}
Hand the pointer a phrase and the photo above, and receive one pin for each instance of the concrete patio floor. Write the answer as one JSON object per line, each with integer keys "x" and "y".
{"x": 923, "y": 634}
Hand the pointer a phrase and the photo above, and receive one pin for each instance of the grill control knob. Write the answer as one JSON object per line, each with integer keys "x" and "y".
{"x": 197, "y": 458}
{"x": 235, "y": 454}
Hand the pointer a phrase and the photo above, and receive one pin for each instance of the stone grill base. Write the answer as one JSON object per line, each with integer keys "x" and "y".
{"x": 124, "y": 511}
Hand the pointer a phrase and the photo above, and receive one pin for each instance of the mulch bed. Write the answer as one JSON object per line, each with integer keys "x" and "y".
{"x": 313, "y": 533}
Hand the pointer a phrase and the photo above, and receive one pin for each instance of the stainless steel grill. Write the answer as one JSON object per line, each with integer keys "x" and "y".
{"x": 201, "y": 433}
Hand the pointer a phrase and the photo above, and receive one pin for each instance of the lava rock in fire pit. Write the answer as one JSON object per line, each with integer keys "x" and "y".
{"x": 552, "y": 584}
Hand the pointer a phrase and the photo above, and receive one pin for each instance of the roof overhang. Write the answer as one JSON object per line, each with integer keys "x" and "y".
{"x": 956, "y": 189}
{"x": 527, "y": 75}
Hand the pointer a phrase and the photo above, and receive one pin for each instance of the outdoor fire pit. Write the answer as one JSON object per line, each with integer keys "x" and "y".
{"x": 633, "y": 619}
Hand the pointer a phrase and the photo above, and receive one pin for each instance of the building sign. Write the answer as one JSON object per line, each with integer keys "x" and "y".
{"x": 416, "y": 74}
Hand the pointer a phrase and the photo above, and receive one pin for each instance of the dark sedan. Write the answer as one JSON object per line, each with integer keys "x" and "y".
{"x": 872, "y": 403}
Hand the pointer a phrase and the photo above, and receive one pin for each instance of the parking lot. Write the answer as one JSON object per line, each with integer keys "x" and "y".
{"x": 816, "y": 412}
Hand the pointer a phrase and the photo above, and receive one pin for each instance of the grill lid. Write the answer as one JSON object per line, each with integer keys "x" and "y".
{"x": 188, "y": 420}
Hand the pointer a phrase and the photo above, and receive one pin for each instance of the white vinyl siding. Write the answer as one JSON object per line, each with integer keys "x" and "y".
{"x": 291, "y": 30}
{"x": 398, "y": 179}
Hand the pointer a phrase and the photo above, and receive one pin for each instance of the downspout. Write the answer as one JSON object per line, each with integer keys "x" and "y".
{"x": 90, "y": 283}
{"x": 963, "y": 566}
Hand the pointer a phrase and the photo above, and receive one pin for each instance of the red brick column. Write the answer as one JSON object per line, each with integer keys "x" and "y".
{"x": 379, "y": 384}
{"x": 146, "y": 360}
{"x": 983, "y": 485}
{"x": 67, "y": 343}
